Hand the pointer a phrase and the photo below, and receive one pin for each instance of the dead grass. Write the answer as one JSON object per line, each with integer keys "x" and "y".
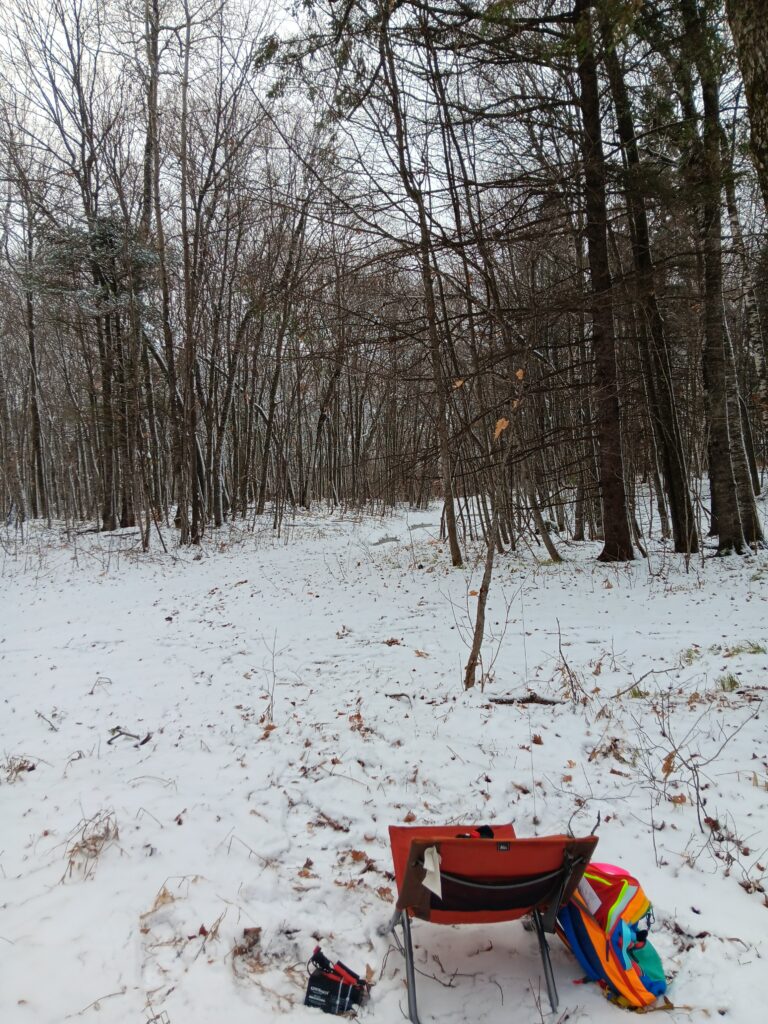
{"x": 87, "y": 841}
{"x": 16, "y": 766}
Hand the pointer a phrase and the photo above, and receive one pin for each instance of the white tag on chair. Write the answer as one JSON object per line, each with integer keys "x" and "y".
{"x": 432, "y": 867}
{"x": 589, "y": 896}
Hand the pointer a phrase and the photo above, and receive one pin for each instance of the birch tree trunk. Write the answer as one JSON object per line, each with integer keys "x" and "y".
{"x": 749, "y": 26}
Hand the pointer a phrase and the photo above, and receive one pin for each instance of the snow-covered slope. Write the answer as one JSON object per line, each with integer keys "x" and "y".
{"x": 288, "y": 699}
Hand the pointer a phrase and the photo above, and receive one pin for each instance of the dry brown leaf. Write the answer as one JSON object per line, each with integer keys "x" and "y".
{"x": 458, "y": 383}
{"x": 357, "y": 724}
{"x": 325, "y": 821}
{"x": 473, "y": 593}
{"x": 669, "y": 764}
{"x": 162, "y": 898}
{"x": 410, "y": 816}
{"x": 251, "y": 939}
{"x": 538, "y": 740}
{"x": 306, "y": 871}
{"x": 678, "y": 799}
{"x": 520, "y": 374}
{"x": 384, "y": 893}
{"x": 421, "y": 654}
{"x": 501, "y": 426}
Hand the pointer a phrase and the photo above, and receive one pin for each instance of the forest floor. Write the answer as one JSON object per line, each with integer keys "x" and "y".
{"x": 195, "y": 743}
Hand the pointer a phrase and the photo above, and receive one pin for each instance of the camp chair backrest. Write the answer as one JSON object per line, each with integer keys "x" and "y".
{"x": 486, "y": 880}
{"x": 483, "y": 881}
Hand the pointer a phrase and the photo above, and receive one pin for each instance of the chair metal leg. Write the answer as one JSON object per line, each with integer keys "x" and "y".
{"x": 570, "y": 867}
{"x": 387, "y": 929}
{"x": 410, "y": 970}
{"x": 549, "y": 976}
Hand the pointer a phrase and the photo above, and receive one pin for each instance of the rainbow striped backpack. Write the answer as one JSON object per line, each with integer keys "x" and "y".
{"x": 605, "y": 924}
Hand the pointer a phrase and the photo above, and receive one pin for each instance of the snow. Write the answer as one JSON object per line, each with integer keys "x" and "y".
{"x": 301, "y": 693}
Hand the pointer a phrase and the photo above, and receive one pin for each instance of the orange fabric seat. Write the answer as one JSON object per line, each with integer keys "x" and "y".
{"x": 484, "y": 879}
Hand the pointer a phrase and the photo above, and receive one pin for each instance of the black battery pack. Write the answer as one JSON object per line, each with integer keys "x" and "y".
{"x": 334, "y": 988}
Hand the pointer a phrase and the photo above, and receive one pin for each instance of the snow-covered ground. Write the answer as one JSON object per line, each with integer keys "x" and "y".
{"x": 287, "y": 699}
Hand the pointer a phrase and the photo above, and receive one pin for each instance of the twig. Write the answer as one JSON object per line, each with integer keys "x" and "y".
{"x": 341, "y": 775}
{"x": 250, "y": 849}
{"x": 536, "y": 993}
{"x": 47, "y": 720}
{"x": 118, "y": 732}
{"x": 143, "y": 810}
{"x": 636, "y": 682}
{"x": 100, "y": 681}
{"x": 573, "y": 679}
{"x": 501, "y": 990}
{"x": 96, "y": 1002}
{"x": 530, "y": 698}
{"x": 458, "y": 756}
{"x": 154, "y": 778}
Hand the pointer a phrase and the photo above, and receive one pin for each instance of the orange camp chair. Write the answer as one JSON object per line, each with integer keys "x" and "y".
{"x": 484, "y": 879}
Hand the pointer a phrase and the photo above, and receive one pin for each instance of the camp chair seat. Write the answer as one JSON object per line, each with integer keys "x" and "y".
{"x": 484, "y": 881}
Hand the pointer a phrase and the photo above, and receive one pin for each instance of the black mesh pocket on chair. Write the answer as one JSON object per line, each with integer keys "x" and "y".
{"x": 469, "y": 894}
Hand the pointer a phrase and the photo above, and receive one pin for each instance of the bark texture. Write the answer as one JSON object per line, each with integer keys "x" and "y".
{"x": 749, "y": 26}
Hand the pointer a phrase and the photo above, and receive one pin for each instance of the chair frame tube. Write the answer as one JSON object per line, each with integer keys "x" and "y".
{"x": 410, "y": 968}
{"x": 549, "y": 974}
{"x": 402, "y": 918}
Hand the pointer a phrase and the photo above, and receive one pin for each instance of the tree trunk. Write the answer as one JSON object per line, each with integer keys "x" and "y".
{"x": 190, "y": 491}
{"x": 749, "y": 25}
{"x": 39, "y": 494}
{"x": 425, "y": 260}
{"x": 617, "y": 546}
{"x": 286, "y": 287}
{"x": 482, "y": 599}
{"x": 107, "y": 360}
{"x": 662, "y": 405}
{"x": 725, "y": 438}
{"x": 16, "y": 484}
